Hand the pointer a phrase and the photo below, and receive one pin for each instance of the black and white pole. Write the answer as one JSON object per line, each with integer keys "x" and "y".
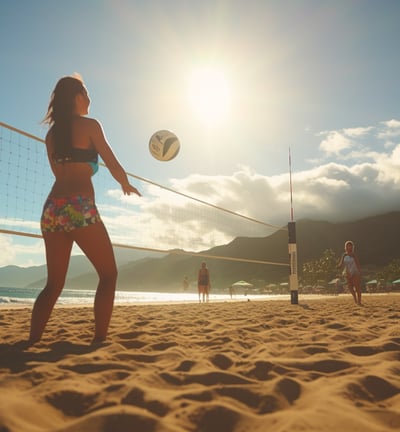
{"x": 293, "y": 277}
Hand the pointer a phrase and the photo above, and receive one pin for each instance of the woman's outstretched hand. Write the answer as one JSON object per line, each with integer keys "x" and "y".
{"x": 128, "y": 189}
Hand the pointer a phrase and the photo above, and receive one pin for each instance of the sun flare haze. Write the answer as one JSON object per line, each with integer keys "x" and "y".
{"x": 209, "y": 94}
{"x": 239, "y": 83}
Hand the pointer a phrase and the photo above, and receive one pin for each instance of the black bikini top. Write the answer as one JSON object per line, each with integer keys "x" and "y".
{"x": 78, "y": 155}
{"x": 89, "y": 156}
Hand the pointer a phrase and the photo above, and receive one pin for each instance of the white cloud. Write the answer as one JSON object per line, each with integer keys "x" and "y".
{"x": 166, "y": 220}
{"x": 332, "y": 191}
{"x": 359, "y": 143}
{"x": 21, "y": 251}
{"x": 391, "y": 129}
{"x": 335, "y": 143}
{"x": 357, "y": 132}
{"x": 392, "y": 124}
{"x": 337, "y": 192}
{"x": 7, "y": 251}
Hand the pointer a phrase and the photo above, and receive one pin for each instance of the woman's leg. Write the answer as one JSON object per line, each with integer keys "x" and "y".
{"x": 96, "y": 245}
{"x": 350, "y": 284}
{"x": 357, "y": 286}
{"x": 58, "y": 251}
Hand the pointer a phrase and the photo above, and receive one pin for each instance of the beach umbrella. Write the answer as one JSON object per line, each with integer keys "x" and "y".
{"x": 334, "y": 281}
{"x": 242, "y": 284}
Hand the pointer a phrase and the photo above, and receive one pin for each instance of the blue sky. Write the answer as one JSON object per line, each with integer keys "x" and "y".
{"x": 238, "y": 82}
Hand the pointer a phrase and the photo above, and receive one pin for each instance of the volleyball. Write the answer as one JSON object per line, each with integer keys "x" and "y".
{"x": 164, "y": 145}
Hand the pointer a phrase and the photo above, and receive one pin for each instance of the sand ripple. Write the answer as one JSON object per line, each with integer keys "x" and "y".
{"x": 322, "y": 365}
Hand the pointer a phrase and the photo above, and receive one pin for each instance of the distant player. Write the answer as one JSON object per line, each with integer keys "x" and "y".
{"x": 203, "y": 283}
{"x": 185, "y": 283}
{"x": 349, "y": 261}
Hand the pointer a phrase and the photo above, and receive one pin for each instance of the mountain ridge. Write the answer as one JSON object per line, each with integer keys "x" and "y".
{"x": 376, "y": 239}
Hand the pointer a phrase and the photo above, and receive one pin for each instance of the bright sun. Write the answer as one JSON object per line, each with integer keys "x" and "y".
{"x": 209, "y": 94}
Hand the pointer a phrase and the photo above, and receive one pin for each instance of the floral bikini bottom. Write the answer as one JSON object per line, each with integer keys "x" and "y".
{"x": 67, "y": 214}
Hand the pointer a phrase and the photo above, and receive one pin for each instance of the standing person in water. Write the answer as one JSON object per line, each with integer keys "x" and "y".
{"x": 349, "y": 261}
{"x": 73, "y": 145}
{"x": 203, "y": 283}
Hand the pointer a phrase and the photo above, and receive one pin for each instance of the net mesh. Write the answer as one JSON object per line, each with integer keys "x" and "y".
{"x": 161, "y": 220}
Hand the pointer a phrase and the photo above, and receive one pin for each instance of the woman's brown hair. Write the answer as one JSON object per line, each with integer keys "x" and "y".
{"x": 61, "y": 111}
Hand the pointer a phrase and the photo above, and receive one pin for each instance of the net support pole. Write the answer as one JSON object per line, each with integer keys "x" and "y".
{"x": 293, "y": 277}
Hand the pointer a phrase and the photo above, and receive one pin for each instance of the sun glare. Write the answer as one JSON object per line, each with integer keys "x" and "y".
{"x": 209, "y": 94}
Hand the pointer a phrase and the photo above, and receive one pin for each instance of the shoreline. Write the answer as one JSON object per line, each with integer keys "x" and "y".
{"x": 238, "y": 299}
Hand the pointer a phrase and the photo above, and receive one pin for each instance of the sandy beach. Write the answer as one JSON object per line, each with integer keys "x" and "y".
{"x": 240, "y": 366}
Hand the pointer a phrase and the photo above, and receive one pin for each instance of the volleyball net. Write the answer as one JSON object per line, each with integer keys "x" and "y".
{"x": 163, "y": 220}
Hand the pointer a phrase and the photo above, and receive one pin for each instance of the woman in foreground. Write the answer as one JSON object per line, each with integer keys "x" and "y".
{"x": 73, "y": 144}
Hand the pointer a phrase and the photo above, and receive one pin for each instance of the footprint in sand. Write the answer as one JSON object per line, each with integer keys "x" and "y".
{"x": 221, "y": 361}
{"x": 137, "y": 398}
{"x": 372, "y": 388}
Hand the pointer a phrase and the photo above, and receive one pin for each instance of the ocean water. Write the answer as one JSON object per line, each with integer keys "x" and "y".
{"x": 26, "y": 296}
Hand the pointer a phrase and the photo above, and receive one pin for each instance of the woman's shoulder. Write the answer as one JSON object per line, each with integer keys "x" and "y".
{"x": 90, "y": 126}
{"x": 88, "y": 121}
